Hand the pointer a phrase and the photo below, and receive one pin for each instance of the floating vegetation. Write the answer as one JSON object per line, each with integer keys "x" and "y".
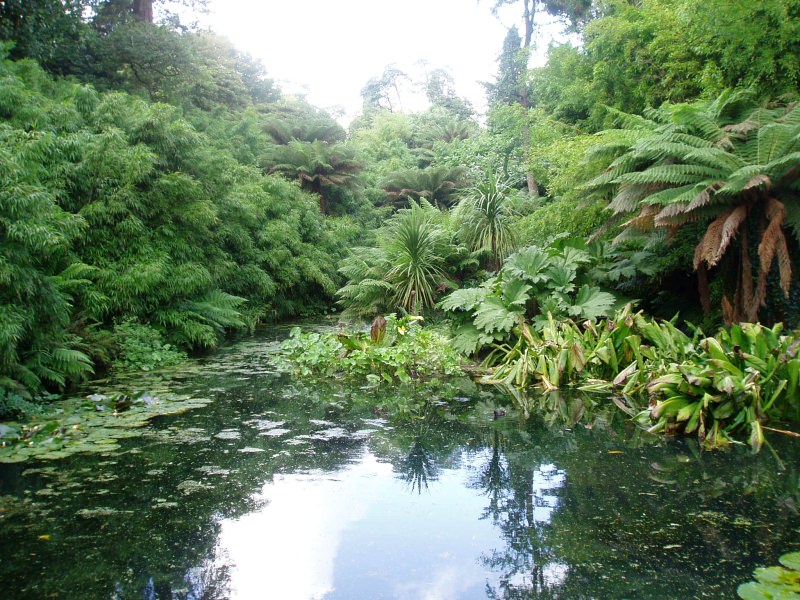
{"x": 102, "y": 511}
{"x": 774, "y": 582}
{"x": 274, "y": 432}
{"x": 190, "y": 486}
{"x": 213, "y": 470}
{"x": 92, "y": 424}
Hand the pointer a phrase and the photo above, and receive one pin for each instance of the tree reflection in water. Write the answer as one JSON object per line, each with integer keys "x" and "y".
{"x": 521, "y": 502}
{"x": 419, "y": 466}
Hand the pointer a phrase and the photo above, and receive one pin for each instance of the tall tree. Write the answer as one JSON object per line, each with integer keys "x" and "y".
{"x": 49, "y": 31}
{"x": 511, "y": 87}
{"x": 143, "y": 10}
{"x": 384, "y": 91}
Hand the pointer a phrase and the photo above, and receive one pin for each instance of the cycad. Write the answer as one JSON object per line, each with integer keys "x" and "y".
{"x": 723, "y": 163}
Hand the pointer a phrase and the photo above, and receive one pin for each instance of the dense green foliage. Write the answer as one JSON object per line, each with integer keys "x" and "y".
{"x": 722, "y": 163}
{"x": 167, "y": 194}
{"x": 408, "y": 269}
{"x": 116, "y": 209}
{"x": 774, "y": 582}
{"x": 533, "y": 284}
{"x": 717, "y": 388}
{"x": 398, "y": 349}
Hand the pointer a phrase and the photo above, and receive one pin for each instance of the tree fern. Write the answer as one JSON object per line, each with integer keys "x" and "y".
{"x": 722, "y": 162}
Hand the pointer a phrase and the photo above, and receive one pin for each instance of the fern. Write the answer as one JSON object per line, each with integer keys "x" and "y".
{"x": 700, "y": 161}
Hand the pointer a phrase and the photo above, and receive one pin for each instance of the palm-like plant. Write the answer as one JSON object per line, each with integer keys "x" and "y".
{"x": 437, "y": 185}
{"x": 317, "y": 165}
{"x": 415, "y": 245}
{"x": 723, "y": 163}
{"x": 406, "y": 270}
{"x": 485, "y": 215}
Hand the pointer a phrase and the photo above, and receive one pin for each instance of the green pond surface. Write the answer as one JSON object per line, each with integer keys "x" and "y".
{"x": 284, "y": 489}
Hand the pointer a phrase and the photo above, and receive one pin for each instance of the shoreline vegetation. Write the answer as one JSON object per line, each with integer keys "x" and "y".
{"x": 160, "y": 194}
{"x": 721, "y": 389}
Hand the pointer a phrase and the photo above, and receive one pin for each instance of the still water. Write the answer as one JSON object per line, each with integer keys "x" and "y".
{"x": 287, "y": 489}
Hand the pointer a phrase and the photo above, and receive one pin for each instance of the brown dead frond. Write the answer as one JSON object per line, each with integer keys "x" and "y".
{"x": 773, "y": 242}
{"x": 728, "y": 312}
{"x": 644, "y": 221}
{"x": 749, "y": 124}
{"x": 719, "y": 235}
{"x": 758, "y": 180}
{"x": 704, "y": 198}
{"x": 729, "y": 230}
{"x": 668, "y": 215}
{"x": 627, "y": 200}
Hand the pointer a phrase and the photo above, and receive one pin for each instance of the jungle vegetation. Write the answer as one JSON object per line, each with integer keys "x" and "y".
{"x": 159, "y": 192}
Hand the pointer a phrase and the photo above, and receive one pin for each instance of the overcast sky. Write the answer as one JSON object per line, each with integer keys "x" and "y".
{"x": 328, "y": 50}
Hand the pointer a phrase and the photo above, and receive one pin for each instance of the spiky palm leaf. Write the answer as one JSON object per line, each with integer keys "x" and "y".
{"x": 485, "y": 215}
{"x": 722, "y": 162}
{"x": 417, "y": 264}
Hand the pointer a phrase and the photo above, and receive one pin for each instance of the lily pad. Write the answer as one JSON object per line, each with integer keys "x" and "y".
{"x": 92, "y": 424}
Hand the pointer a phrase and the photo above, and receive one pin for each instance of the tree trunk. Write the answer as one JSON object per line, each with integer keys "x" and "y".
{"x": 143, "y": 10}
{"x": 525, "y": 101}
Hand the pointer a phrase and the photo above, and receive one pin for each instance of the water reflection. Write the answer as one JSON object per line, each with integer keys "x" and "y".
{"x": 281, "y": 489}
{"x": 288, "y": 549}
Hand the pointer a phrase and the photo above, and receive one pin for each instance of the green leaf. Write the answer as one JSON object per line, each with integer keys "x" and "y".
{"x": 515, "y": 292}
{"x": 591, "y": 303}
{"x": 791, "y": 560}
{"x": 529, "y": 263}
{"x": 492, "y": 315}
{"x": 753, "y": 591}
{"x": 466, "y": 299}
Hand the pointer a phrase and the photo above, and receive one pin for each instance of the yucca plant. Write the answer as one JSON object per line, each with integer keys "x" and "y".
{"x": 415, "y": 246}
{"x": 724, "y": 163}
{"x": 407, "y": 269}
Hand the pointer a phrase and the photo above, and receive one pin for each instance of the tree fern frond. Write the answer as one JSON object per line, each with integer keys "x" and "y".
{"x": 773, "y": 241}
{"x": 670, "y": 174}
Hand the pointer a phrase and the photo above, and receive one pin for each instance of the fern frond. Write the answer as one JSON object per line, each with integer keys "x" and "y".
{"x": 671, "y": 174}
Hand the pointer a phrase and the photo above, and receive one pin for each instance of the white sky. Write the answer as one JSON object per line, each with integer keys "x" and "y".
{"x": 329, "y": 49}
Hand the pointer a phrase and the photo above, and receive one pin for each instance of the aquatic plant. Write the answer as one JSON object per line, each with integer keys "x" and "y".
{"x": 735, "y": 381}
{"x": 714, "y": 387}
{"x": 91, "y": 424}
{"x": 774, "y": 582}
{"x": 404, "y": 351}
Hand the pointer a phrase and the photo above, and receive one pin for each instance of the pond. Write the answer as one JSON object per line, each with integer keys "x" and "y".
{"x": 286, "y": 489}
